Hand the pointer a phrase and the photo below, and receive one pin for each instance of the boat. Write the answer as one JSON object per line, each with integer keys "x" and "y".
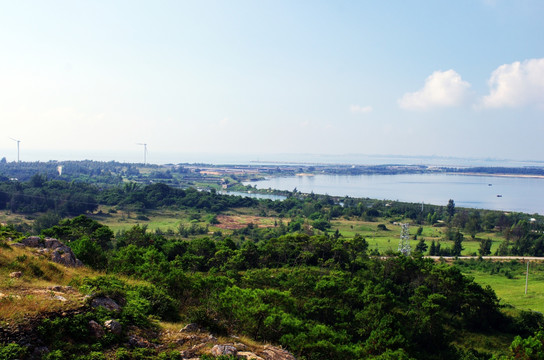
{"x": 499, "y": 195}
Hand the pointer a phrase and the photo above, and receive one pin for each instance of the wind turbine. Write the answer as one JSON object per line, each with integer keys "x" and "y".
{"x": 18, "y": 141}
{"x": 145, "y": 151}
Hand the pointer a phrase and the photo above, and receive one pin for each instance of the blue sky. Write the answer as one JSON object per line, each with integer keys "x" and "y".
{"x": 448, "y": 78}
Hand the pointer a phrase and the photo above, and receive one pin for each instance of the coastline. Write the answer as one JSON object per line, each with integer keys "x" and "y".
{"x": 498, "y": 175}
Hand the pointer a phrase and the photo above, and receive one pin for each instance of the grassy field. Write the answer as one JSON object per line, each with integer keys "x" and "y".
{"x": 509, "y": 284}
{"x": 384, "y": 240}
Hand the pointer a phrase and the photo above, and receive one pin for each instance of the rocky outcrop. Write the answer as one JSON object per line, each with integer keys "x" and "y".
{"x": 58, "y": 252}
{"x": 32, "y": 241}
{"x": 218, "y": 350}
{"x": 275, "y": 353}
{"x": 193, "y": 342}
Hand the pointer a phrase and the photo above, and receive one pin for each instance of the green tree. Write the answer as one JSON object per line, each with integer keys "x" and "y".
{"x": 89, "y": 252}
{"x": 450, "y": 208}
{"x": 457, "y": 244}
{"x": 421, "y": 246}
{"x": 485, "y": 247}
{"x": 432, "y": 250}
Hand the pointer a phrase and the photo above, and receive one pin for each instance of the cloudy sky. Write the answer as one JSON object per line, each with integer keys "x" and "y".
{"x": 92, "y": 79}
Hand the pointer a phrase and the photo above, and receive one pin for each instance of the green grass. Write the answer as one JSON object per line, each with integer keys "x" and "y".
{"x": 512, "y": 291}
{"x": 509, "y": 285}
{"x": 389, "y": 239}
{"x": 162, "y": 219}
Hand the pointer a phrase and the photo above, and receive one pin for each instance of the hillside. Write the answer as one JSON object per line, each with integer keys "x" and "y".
{"x": 319, "y": 279}
{"x": 49, "y": 310}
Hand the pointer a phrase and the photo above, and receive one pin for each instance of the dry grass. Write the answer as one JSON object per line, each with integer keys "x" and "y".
{"x": 232, "y": 222}
{"x": 29, "y": 294}
{"x": 18, "y": 303}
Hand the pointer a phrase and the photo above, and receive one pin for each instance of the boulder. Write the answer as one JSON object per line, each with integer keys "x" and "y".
{"x": 225, "y": 349}
{"x": 96, "y": 330}
{"x": 113, "y": 326}
{"x": 32, "y": 241}
{"x": 64, "y": 255}
{"x": 53, "y": 243}
{"x": 276, "y": 353}
{"x": 105, "y": 302}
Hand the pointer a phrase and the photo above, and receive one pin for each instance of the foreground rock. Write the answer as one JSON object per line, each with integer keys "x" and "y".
{"x": 193, "y": 342}
{"x": 218, "y": 350}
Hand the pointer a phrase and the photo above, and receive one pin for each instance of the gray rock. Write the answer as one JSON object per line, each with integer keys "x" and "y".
{"x": 113, "y": 326}
{"x": 15, "y": 274}
{"x": 105, "y": 302}
{"x": 32, "y": 241}
{"x": 218, "y": 350}
{"x": 64, "y": 255}
{"x": 59, "y": 298}
{"x": 192, "y": 327}
{"x": 96, "y": 330}
{"x": 53, "y": 243}
{"x": 276, "y": 353}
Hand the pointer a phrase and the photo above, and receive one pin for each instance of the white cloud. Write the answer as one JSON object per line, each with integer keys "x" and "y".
{"x": 357, "y": 109}
{"x": 441, "y": 89}
{"x": 516, "y": 84}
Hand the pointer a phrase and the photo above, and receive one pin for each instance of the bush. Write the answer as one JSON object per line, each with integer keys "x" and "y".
{"x": 12, "y": 351}
{"x": 122, "y": 354}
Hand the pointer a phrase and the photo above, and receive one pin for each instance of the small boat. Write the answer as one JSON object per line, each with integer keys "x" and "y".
{"x": 499, "y": 195}
{"x": 489, "y": 184}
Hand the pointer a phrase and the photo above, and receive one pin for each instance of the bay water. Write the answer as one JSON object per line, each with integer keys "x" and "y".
{"x": 519, "y": 194}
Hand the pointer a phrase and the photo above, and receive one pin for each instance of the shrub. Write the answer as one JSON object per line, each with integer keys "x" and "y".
{"x": 12, "y": 351}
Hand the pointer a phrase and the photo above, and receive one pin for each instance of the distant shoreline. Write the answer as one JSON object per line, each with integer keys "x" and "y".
{"x": 498, "y": 175}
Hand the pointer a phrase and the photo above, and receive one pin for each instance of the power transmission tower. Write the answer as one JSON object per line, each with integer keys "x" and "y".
{"x": 404, "y": 243}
